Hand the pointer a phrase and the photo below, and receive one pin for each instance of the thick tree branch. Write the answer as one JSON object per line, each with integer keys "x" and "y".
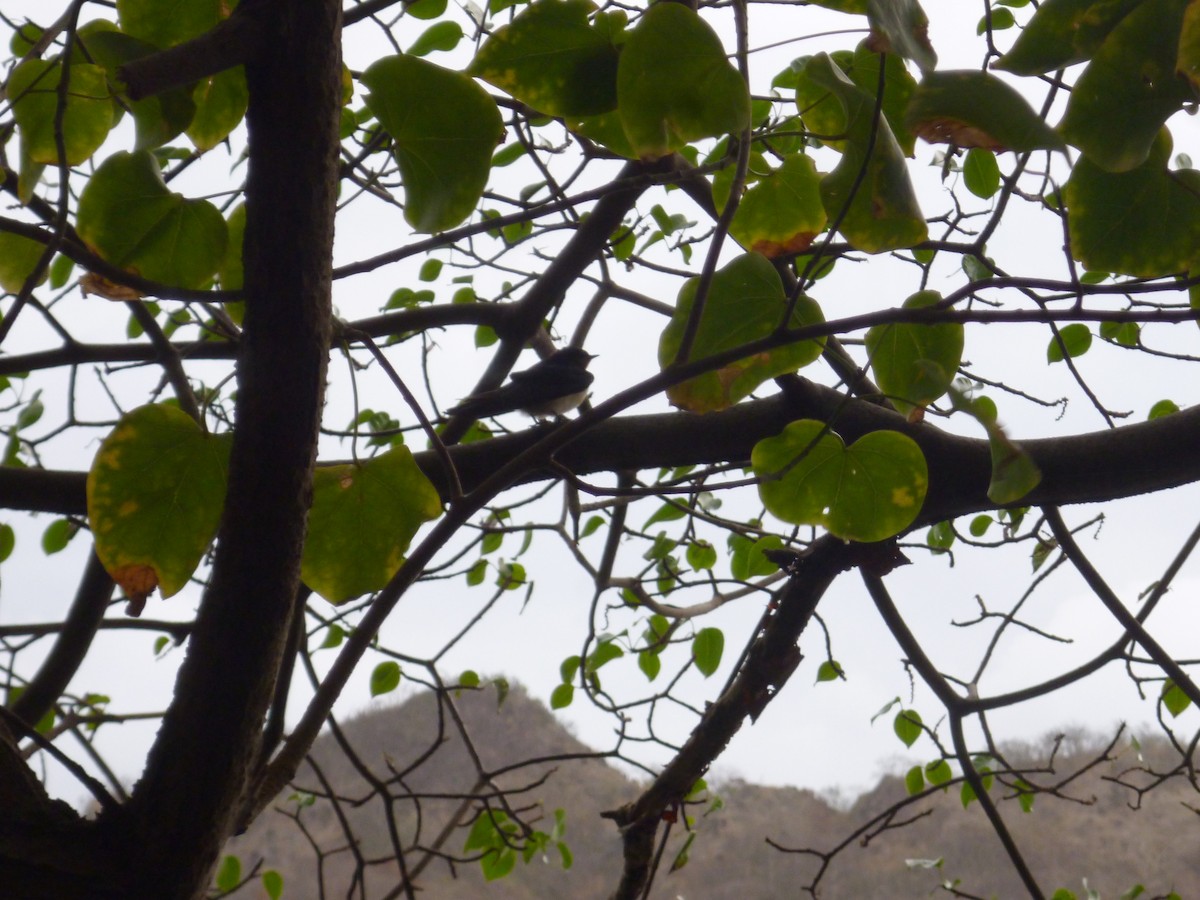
{"x": 1087, "y": 468}
{"x": 210, "y": 736}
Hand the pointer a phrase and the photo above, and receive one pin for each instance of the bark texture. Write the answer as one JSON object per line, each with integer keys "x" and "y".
{"x": 165, "y": 841}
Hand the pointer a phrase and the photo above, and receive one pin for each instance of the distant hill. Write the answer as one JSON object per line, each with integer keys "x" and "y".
{"x": 1101, "y": 839}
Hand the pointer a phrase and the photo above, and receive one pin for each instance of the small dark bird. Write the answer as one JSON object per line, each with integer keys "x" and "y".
{"x": 556, "y": 385}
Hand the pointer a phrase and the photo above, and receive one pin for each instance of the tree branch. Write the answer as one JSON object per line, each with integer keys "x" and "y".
{"x": 1087, "y": 468}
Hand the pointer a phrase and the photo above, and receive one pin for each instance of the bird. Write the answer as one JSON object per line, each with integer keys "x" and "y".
{"x": 554, "y": 386}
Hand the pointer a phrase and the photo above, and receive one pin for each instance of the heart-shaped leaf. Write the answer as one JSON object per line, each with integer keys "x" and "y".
{"x": 221, "y": 103}
{"x": 343, "y": 560}
{"x": 154, "y": 494}
{"x": 33, "y": 90}
{"x": 868, "y": 491}
{"x": 781, "y": 212}
{"x": 551, "y": 59}
{"x": 915, "y": 364}
{"x": 129, "y": 216}
{"x": 675, "y": 84}
{"x": 445, "y": 128}
{"x": 1144, "y": 222}
{"x": 746, "y": 301}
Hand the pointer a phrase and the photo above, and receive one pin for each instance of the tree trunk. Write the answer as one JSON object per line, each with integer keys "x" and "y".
{"x": 165, "y": 841}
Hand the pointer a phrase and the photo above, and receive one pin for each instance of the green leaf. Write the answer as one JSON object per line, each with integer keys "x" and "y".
{"x": 1174, "y": 699}
{"x": 385, "y": 677}
{"x": 981, "y": 173}
{"x": 650, "y": 664}
{"x": 8, "y": 540}
{"x": 915, "y": 364}
{"x": 1025, "y": 795}
{"x": 1130, "y": 88}
{"x": 440, "y": 36}
{"x": 606, "y": 651}
{"x": 701, "y": 555}
{"x": 561, "y": 696}
{"x": 1125, "y": 334}
{"x": 155, "y": 493}
{"x": 1014, "y": 474}
{"x": 1162, "y": 408}
{"x": 871, "y": 196}
{"x": 675, "y": 84}
{"x": 1002, "y": 19}
{"x": 343, "y": 560}
{"x": 57, "y": 535}
{"x": 1072, "y": 340}
{"x": 914, "y": 781}
{"x": 746, "y": 301}
{"x": 229, "y": 873}
{"x": 32, "y": 411}
{"x": 333, "y": 637}
{"x": 825, "y": 115}
{"x": 938, "y": 772}
{"x": 165, "y": 23}
{"x": 569, "y": 668}
{"x": 966, "y": 794}
{"x": 273, "y": 884}
{"x": 707, "y": 648}
{"x": 940, "y": 536}
{"x": 830, "y": 670}
{"x": 551, "y": 59}
{"x": 60, "y": 270}
{"x": 970, "y": 108}
{"x": 129, "y": 216}
{"x": 33, "y": 89}
{"x": 980, "y": 524}
{"x": 427, "y": 9}
{"x": 444, "y": 149}
{"x": 781, "y": 213}
{"x": 1062, "y": 33}
{"x": 19, "y": 256}
{"x": 221, "y": 103}
{"x": 1144, "y": 222}
{"x": 668, "y": 512}
{"x": 1041, "y": 553}
{"x": 868, "y": 491}
{"x": 231, "y": 273}
{"x": 907, "y": 726}
{"x": 747, "y": 559}
{"x": 901, "y": 27}
{"x": 430, "y": 269}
